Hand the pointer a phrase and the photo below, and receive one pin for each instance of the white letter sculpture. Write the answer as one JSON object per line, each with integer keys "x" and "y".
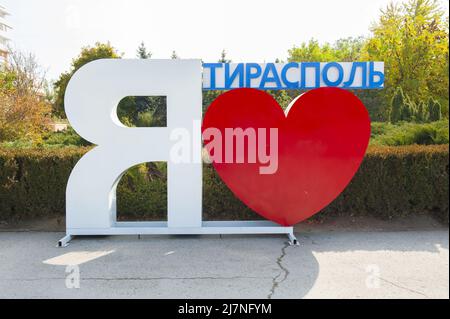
{"x": 91, "y": 100}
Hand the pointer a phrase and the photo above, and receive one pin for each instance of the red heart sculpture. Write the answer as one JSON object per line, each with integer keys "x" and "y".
{"x": 321, "y": 144}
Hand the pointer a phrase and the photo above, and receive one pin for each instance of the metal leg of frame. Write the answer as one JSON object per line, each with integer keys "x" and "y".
{"x": 64, "y": 242}
{"x": 293, "y": 240}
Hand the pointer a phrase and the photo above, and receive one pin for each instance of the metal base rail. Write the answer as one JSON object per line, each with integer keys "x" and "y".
{"x": 207, "y": 228}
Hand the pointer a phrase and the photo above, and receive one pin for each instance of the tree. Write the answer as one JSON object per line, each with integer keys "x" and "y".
{"x": 174, "y": 55}
{"x": 282, "y": 97}
{"x": 223, "y": 57}
{"x": 347, "y": 49}
{"x": 412, "y": 40}
{"x": 24, "y": 109}
{"x": 142, "y": 52}
{"x": 87, "y": 54}
{"x": 312, "y": 51}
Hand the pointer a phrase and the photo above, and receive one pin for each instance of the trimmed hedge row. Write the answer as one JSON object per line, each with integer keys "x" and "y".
{"x": 33, "y": 181}
{"x": 392, "y": 182}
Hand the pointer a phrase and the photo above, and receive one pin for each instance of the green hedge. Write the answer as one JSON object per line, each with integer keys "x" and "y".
{"x": 392, "y": 182}
{"x": 33, "y": 181}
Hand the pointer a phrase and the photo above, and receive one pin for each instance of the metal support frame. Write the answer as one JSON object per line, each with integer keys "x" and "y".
{"x": 64, "y": 242}
{"x": 293, "y": 240}
{"x": 207, "y": 228}
{"x": 90, "y": 193}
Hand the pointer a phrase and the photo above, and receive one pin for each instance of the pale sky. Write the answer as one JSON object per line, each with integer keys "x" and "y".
{"x": 250, "y": 31}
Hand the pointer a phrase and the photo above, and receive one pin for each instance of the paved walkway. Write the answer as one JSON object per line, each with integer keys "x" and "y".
{"x": 339, "y": 264}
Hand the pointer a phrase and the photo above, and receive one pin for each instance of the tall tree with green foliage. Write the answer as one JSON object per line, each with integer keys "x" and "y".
{"x": 347, "y": 49}
{"x": 412, "y": 39}
{"x": 312, "y": 51}
{"x": 87, "y": 54}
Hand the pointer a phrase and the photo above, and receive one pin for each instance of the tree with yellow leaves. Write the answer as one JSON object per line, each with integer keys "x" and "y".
{"x": 412, "y": 40}
{"x": 24, "y": 109}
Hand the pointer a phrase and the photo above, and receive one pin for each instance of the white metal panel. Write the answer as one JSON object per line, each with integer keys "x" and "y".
{"x": 91, "y": 101}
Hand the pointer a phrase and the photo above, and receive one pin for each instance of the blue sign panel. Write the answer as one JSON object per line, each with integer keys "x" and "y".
{"x": 293, "y": 75}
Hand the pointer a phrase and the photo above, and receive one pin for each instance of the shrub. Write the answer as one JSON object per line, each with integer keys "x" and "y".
{"x": 67, "y": 137}
{"x": 435, "y": 110}
{"x": 142, "y": 193}
{"x": 403, "y": 108}
{"x": 410, "y": 133}
{"x": 422, "y": 114}
{"x": 392, "y": 182}
{"x": 400, "y": 107}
